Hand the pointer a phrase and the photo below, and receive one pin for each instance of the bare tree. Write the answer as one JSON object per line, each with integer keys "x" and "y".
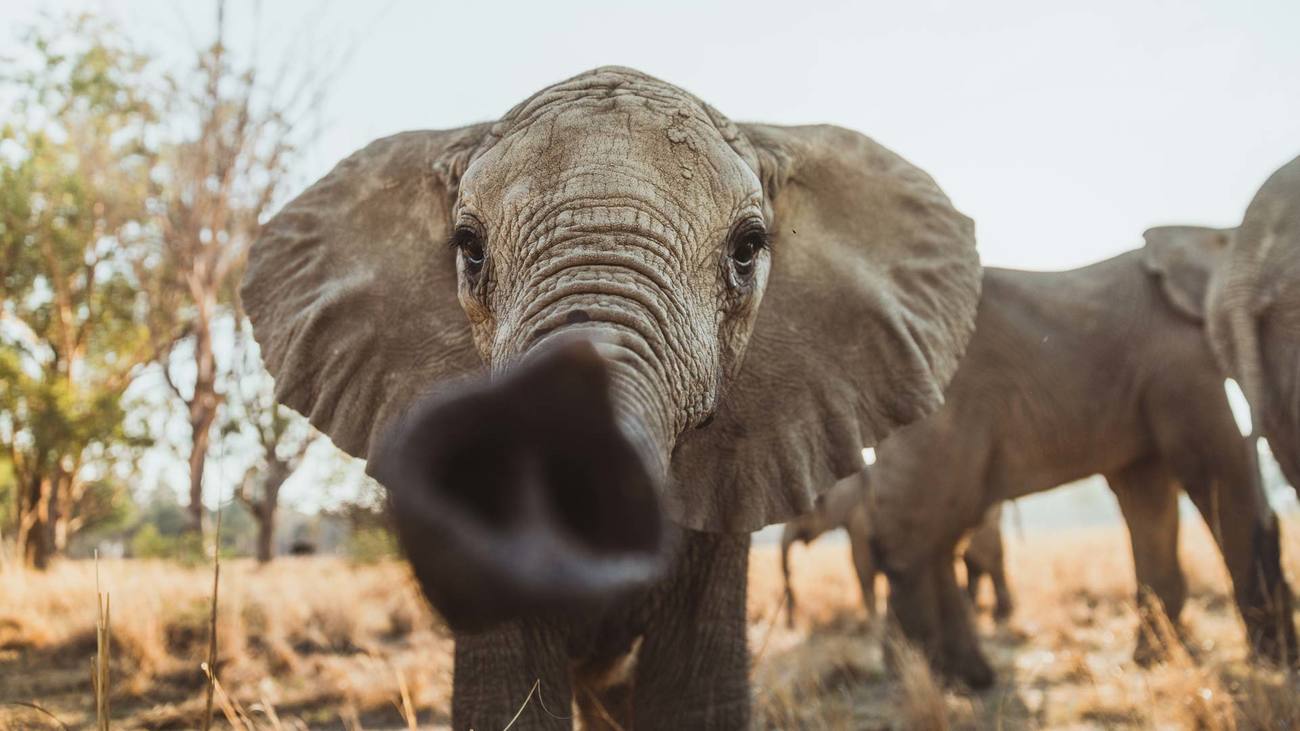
{"x": 282, "y": 441}
{"x": 218, "y": 184}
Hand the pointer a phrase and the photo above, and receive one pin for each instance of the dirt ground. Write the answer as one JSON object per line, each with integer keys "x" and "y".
{"x": 320, "y": 643}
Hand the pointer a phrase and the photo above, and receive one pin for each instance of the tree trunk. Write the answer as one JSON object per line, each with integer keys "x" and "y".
{"x": 36, "y": 527}
{"x": 265, "y": 531}
{"x": 61, "y": 514}
{"x": 276, "y": 473}
{"x": 203, "y": 412}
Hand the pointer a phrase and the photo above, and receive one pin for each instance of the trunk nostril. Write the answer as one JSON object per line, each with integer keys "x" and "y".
{"x": 577, "y": 316}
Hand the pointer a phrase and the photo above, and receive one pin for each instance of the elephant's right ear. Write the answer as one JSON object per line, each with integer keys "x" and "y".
{"x": 869, "y": 305}
{"x": 1183, "y": 258}
{"x": 351, "y": 288}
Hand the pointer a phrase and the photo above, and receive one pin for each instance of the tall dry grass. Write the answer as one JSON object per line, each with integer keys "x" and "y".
{"x": 1064, "y": 661}
{"x": 318, "y": 634}
{"x": 310, "y": 642}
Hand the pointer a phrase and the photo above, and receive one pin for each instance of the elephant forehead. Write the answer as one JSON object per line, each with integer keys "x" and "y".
{"x": 624, "y": 147}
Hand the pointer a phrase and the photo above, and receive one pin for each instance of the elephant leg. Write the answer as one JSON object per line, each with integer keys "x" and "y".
{"x": 990, "y": 560}
{"x": 974, "y": 572}
{"x": 1148, "y": 498}
{"x": 495, "y": 673}
{"x": 913, "y": 607}
{"x": 934, "y": 615}
{"x": 864, "y": 560}
{"x": 693, "y": 666}
{"x": 789, "y": 535}
{"x": 1247, "y": 532}
{"x": 961, "y": 655}
{"x": 1006, "y": 605}
{"x": 603, "y": 692}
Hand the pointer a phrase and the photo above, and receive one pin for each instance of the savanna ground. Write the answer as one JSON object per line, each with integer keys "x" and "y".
{"x": 321, "y": 643}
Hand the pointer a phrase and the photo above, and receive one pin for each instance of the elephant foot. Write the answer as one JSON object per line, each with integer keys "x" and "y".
{"x": 970, "y": 669}
{"x": 1152, "y": 648}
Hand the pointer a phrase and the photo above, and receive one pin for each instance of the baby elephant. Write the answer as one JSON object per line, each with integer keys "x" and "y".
{"x": 846, "y": 505}
{"x": 558, "y": 339}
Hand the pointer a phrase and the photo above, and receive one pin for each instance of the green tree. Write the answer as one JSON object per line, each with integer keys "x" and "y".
{"x": 75, "y": 181}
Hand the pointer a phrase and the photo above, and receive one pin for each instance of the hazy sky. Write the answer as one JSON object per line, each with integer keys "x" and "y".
{"x": 1063, "y": 129}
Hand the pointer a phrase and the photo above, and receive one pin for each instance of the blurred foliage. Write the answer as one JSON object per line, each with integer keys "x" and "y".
{"x": 7, "y": 498}
{"x": 75, "y": 183}
{"x": 371, "y": 544}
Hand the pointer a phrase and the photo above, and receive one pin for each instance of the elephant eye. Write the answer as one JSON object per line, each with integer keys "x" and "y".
{"x": 745, "y": 251}
{"x": 466, "y": 241}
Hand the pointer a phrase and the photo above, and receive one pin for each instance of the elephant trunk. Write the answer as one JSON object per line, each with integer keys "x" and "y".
{"x": 535, "y": 492}
{"x": 1280, "y": 341}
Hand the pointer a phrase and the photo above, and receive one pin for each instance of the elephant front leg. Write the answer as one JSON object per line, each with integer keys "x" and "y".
{"x": 520, "y": 665}
{"x": 864, "y": 560}
{"x": 935, "y": 615}
{"x": 693, "y": 667}
{"x": 961, "y": 656}
{"x": 913, "y": 606}
{"x": 1006, "y": 603}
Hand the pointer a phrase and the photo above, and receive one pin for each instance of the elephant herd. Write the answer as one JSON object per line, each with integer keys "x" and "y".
{"x": 592, "y": 345}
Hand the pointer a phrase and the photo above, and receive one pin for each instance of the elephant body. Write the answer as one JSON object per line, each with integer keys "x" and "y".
{"x": 559, "y": 341}
{"x": 847, "y": 505}
{"x": 1254, "y": 313}
{"x": 1095, "y": 370}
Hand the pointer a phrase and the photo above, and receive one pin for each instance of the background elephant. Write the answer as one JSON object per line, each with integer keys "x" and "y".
{"x": 545, "y": 335}
{"x": 1254, "y": 320}
{"x": 846, "y": 505}
{"x": 1104, "y": 369}
{"x": 842, "y": 506}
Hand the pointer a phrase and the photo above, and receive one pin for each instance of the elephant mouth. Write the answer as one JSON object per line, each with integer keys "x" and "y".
{"x": 525, "y": 494}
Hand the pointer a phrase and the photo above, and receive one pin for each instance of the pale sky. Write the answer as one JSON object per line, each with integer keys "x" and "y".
{"x": 1063, "y": 129}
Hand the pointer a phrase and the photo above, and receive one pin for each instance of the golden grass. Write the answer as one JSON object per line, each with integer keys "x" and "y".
{"x": 1064, "y": 661}
{"x": 309, "y": 642}
{"x": 316, "y": 638}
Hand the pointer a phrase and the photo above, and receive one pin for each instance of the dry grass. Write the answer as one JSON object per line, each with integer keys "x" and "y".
{"x": 317, "y": 642}
{"x": 316, "y": 639}
{"x": 1064, "y": 661}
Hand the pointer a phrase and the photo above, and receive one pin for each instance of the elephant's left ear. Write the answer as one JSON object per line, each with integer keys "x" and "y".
{"x": 869, "y": 305}
{"x": 1183, "y": 258}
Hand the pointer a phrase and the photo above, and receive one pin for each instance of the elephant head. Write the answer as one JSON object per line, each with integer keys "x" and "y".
{"x": 610, "y": 311}
{"x": 1248, "y": 294}
{"x": 1184, "y": 259}
{"x": 1254, "y": 309}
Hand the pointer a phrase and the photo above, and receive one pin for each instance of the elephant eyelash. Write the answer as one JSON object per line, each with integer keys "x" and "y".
{"x": 755, "y": 236}
{"x": 462, "y": 236}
